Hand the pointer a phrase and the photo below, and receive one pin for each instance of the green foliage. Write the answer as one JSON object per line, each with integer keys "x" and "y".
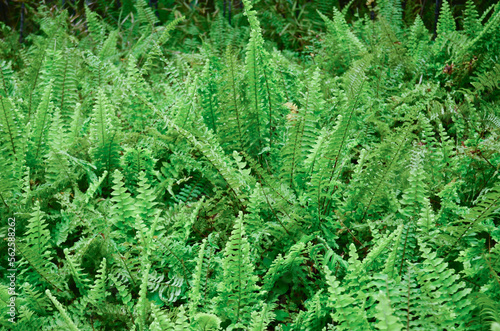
{"x": 238, "y": 292}
{"x": 282, "y": 165}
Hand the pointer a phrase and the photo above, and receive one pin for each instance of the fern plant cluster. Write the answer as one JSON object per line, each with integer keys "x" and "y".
{"x": 353, "y": 186}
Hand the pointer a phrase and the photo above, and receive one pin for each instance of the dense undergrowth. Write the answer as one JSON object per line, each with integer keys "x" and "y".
{"x": 352, "y": 186}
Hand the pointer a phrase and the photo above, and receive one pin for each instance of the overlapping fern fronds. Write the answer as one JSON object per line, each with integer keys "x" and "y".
{"x": 182, "y": 176}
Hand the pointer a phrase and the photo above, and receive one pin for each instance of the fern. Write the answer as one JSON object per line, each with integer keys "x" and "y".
{"x": 97, "y": 293}
{"x": 69, "y": 323}
{"x": 79, "y": 277}
{"x": 104, "y": 134}
{"x": 262, "y": 320}
{"x": 161, "y": 322}
{"x": 142, "y": 303}
{"x": 232, "y": 109}
{"x": 263, "y": 165}
{"x": 385, "y": 316}
{"x": 452, "y": 302}
{"x": 238, "y": 292}
{"x": 302, "y": 136}
{"x": 37, "y": 234}
{"x": 471, "y": 19}
{"x": 43, "y": 268}
{"x": 488, "y": 205}
{"x": 342, "y": 39}
{"x": 10, "y": 129}
{"x": 42, "y": 122}
{"x": 488, "y": 81}
{"x": 446, "y": 23}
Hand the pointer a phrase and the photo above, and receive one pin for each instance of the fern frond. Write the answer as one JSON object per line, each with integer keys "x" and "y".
{"x": 182, "y": 322}
{"x": 35, "y": 300}
{"x": 94, "y": 25}
{"x": 161, "y": 321}
{"x": 42, "y": 267}
{"x": 143, "y": 302}
{"x": 488, "y": 81}
{"x": 238, "y": 291}
{"x": 69, "y": 322}
{"x": 208, "y": 96}
{"x": 345, "y": 313}
{"x": 103, "y": 133}
{"x": 385, "y": 316}
{"x": 145, "y": 15}
{"x": 42, "y": 122}
{"x": 446, "y": 22}
{"x": 122, "y": 212}
{"x": 302, "y": 128}
{"x": 6, "y": 79}
{"x": 64, "y": 74}
{"x": 471, "y": 18}
{"x": 97, "y": 293}
{"x": 37, "y": 235}
{"x": 195, "y": 294}
{"x": 290, "y": 263}
{"x": 353, "y": 81}
{"x": 124, "y": 293}
{"x": 485, "y": 207}
{"x": 207, "y": 321}
{"x": 451, "y": 298}
{"x": 79, "y": 277}
{"x": 260, "y": 321}
{"x": 108, "y": 47}
{"x": 9, "y": 126}
{"x": 341, "y": 38}
{"x": 415, "y": 195}
{"x": 213, "y": 152}
{"x": 232, "y": 110}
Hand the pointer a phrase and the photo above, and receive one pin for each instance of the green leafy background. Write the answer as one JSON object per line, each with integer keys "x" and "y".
{"x": 280, "y": 166}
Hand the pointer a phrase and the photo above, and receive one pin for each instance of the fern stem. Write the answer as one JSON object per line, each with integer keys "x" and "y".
{"x": 34, "y": 82}
{"x": 272, "y": 185}
{"x": 303, "y": 124}
{"x": 3, "y": 200}
{"x": 122, "y": 259}
{"x": 178, "y": 259}
{"x": 42, "y": 129}
{"x": 206, "y": 276}
{"x": 4, "y": 83}
{"x": 64, "y": 83}
{"x": 37, "y": 270}
{"x": 270, "y": 109}
{"x": 284, "y": 84}
{"x": 276, "y": 216}
{"x": 236, "y": 102}
{"x": 342, "y": 144}
{"x": 408, "y": 304}
{"x": 8, "y": 126}
{"x": 212, "y": 114}
{"x": 256, "y": 98}
{"x": 239, "y": 270}
{"x": 381, "y": 180}
{"x": 404, "y": 251}
{"x": 485, "y": 211}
